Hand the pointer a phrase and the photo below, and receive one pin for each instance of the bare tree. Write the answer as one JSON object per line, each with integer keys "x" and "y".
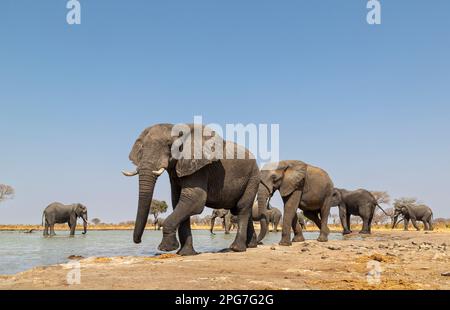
{"x": 405, "y": 202}
{"x": 381, "y": 197}
{"x": 6, "y": 192}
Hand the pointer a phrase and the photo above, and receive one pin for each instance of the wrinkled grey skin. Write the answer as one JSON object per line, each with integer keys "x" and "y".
{"x": 414, "y": 213}
{"x": 301, "y": 186}
{"x": 159, "y": 223}
{"x": 223, "y": 214}
{"x": 360, "y": 203}
{"x": 58, "y": 213}
{"x": 229, "y": 184}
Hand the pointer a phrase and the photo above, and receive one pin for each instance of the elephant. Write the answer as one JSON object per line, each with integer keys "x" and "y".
{"x": 359, "y": 202}
{"x": 414, "y": 213}
{"x": 225, "y": 215}
{"x": 301, "y": 186}
{"x": 273, "y": 216}
{"x": 159, "y": 222}
{"x": 301, "y": 220}
{"x": 205, "y": 176}
{"x": 60, "y": 213}
{"x": 229, "y": 220}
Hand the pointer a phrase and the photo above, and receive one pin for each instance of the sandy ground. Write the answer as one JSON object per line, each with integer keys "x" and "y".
{"x": 403, "y": 260}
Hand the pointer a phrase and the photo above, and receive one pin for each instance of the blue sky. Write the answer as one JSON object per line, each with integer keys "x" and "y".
{"x": 370, "y": 104}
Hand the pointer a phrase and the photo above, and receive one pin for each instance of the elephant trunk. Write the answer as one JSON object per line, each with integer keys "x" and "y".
{"x": 147, "y": 181}
{"x": 263, "y": 200}
{"x": 84, "y": 226}
{"x": 394, "y": 221}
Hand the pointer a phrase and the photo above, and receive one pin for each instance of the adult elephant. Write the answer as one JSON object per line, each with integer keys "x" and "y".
{"x": 414, "y": 213}
{"x": 199, "y": 176}
{"x": 223, "y": 214}
{"x": 360, "y": 202}
{"x": 58, "y": 213}
{"x": 301, "y": 186}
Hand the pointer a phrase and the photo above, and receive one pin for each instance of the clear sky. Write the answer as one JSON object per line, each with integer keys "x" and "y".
{"x": 370, "y": 104}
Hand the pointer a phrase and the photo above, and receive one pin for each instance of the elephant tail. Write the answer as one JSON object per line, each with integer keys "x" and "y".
{"x": 382, "y": 210}
{"x": 43, "y": 218}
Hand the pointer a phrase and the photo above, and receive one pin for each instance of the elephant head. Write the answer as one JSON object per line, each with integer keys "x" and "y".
{"x": 399, "y": 210}
{"x": 336, "y": 198}
{"x": 81, "y": 211}
{"x": 165, "y": 147}
{"x": 284, "y": 176}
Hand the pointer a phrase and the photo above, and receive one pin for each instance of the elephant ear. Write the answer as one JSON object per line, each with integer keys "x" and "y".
{"x": 294, "y": 179}
{"x": 199, "y": 156}
{"x": 136, "y": 151}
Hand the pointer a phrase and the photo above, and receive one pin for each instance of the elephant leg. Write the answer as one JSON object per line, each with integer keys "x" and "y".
{"x": 345, "y": 221}
{"x": 313, "y": 216}
{"x": 213, "y": 221}
{"x": 406, "y": 224}
{"x": 245, "y": 231}
{"x": 191, "y": 202}
{"x": 430, "y": 224}
{"x": 52, "y": 230}
{"x": 252, "y": 239}
{"x": 46, "y": 229}
{"x": 414, "y": 222}
{"x": 226, "y": 223}
{"x": 324, "y": 214}
{"x": 365, "y": 228}
{"x": 290, "y": 209}
{"x": 298, "y": 234}
{"x": 185, "y": 235}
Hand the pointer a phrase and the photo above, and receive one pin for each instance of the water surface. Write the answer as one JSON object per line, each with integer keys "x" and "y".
{"x": 20, "y": 251}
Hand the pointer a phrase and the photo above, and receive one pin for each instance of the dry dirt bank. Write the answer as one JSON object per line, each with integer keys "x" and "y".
{"x": 408, "y": 260}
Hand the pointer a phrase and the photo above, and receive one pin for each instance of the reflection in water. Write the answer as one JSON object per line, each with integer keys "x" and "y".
{"x": 20, "y": 251}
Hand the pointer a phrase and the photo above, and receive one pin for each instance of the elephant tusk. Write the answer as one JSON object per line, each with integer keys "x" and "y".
{"x": 159, "y": 172}
{"x": 130, "y": 174}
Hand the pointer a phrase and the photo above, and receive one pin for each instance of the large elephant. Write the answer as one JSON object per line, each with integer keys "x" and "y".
{"x": 414, "y": 213}
{"x": 360, "y": 203}
{"x": 199, "y": 178}
{"x": 58, "y": 213}
{"x": 223, "y": 214}
{"x": 301, "y": 186}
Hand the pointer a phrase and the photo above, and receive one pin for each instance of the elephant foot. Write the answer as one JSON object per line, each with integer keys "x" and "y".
{"x": 187, "y": 251}
{"x": 285, "y": 243}
{"x": 236, "y": 247}
{"x": 253, "y": 243}
{"x": 346, "y": 232}
{"x": 260, "y": 243}
{"x": 298, "y": 239}
{"x": 227, "y": 233}
{"x": 364, "y": 232}
{"x": 322, "y": 238}
{"x": 169, "y": 244}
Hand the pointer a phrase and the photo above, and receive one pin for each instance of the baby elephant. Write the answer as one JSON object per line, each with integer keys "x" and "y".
{"x": 57, "y": 213}
{"x": 360, "y": 202}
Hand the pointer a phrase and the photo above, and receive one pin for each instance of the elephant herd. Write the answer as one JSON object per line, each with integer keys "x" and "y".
{"x": 237, "y": 190}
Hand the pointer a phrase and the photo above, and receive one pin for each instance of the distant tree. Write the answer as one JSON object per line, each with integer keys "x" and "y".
{"x": 381, "y": 197}
{"x": 96, "y": 221}
{"x": 6, "y": 192}
{"x": 405, "y": 202}
{"x": 157, "y": 207}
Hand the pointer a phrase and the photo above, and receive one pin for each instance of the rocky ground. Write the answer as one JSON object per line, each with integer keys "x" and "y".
{"x": 384, "y": 260}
